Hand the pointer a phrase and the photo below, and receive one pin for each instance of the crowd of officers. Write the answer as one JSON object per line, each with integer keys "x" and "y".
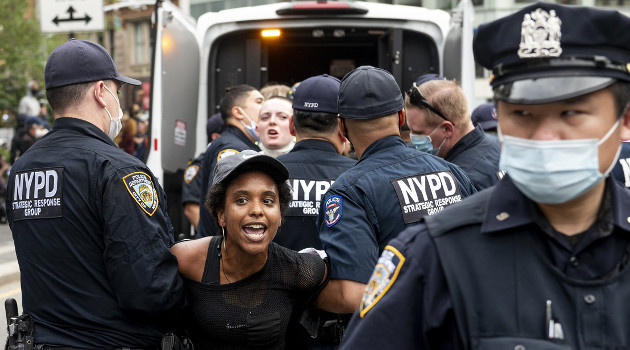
{"x": 535, "y": 258}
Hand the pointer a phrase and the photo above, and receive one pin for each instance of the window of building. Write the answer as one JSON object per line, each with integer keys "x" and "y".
{"x": 141, "y": 42}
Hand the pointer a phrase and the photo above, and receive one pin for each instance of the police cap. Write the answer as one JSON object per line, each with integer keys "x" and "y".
{"x": 81, "y": 61}
{"x": 369, "y": 92}
{"x": 485, "y": 115}
{"x": 317, "y": 94}
{"x": 549, "y": 52}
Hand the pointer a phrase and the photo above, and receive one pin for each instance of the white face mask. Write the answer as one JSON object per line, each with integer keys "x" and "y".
{"x": 251, "y": 129}
{"x": 115, "y": 125}
{"x": 553, "y": 172}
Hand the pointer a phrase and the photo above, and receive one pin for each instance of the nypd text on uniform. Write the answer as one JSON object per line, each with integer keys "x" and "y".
{"x": 307, "y": 195}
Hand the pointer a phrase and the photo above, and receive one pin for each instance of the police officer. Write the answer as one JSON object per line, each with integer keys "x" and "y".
{"x": 90, "y": 226}
{"x": 438, "y": 117}
{"x": 239, "y": 106}
{"x": 485, "y": 115}
{"x": 539, "y": 261}
{"x": 191, "y": 186}
{"x": 391, "y": 186}
{"x": 621, "y": 171}
{"x": 315, "y": 161}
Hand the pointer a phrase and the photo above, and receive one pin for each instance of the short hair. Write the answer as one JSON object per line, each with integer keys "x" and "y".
{"x": 447, "y": 97}
{"x": 233, "y": 96}
{"x": 63, "y": 98}
{"x": 283, "y": 98}
{"x": 621, "y": 93}
{"x": 274, "y": 89}
{"x": 307, "y": 122}
{"x": 215, "y": 199}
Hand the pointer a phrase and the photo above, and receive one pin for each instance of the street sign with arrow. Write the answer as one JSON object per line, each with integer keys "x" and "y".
{"x": 70, "y": 16}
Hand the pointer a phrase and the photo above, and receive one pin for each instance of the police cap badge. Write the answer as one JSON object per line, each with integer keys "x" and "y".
{"x": 550, "y": 52}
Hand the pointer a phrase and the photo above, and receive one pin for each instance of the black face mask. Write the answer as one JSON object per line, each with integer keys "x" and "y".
{"x": 34, "y": 92}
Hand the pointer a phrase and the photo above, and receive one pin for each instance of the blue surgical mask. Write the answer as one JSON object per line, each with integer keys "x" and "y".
{"x": 553, "y": 172}
{"x": 423, "y": 142}
{"x": 251, "y": 128}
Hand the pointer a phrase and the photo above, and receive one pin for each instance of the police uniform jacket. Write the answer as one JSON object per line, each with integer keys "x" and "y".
{"x": 390, "y": 187}
{"x": 232, "y": 141}
{"x": 313, "y": 166}
{"x": 92, "y": 238}
{"x": 621, "y": 171}
{"x": 478, "y": 155}
{"x": 484, "y": 269}
{"x": 191, "y": 188}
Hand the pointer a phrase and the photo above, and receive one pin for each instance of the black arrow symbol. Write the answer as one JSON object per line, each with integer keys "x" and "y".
{"x": 71, "y": 11}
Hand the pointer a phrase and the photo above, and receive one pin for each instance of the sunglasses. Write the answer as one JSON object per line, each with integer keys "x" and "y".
{"x": 416, "y": 98}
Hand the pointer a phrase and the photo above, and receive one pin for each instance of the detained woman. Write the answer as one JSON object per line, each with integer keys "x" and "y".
{"x": 244, "y": 291}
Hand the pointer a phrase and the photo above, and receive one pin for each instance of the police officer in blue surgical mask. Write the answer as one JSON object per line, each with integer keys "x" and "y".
{"x": 540, "y": 261}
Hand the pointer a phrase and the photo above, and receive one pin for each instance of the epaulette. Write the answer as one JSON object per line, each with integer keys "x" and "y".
{"x": 472, "y": 210}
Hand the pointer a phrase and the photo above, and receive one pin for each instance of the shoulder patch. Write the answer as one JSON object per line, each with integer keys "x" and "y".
{"x": 190, "y": 173}
{"x": 334, "y": 209}
{"x": 140, "y": 187}
{"x": 226, "y": 152}
{"x": 426, "y": 194}
{"x": 384, "y": 275}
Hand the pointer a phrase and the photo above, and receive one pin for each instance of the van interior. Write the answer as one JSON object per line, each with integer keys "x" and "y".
{"x": 245, "y": 57}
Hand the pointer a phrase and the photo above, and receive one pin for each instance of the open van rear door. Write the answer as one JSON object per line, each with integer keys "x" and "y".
{"x": 174, "y": 92}
{"x": 458, "y": 60}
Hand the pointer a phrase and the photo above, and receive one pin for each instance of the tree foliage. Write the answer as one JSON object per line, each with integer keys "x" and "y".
{"x": 23, "y": 51}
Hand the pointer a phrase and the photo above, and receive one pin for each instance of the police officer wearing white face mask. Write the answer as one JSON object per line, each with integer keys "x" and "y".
{"x": 89, "y": 221}
{"x": 539, "y": 261}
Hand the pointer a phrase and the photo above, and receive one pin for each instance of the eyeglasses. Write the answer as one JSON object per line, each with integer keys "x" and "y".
{"x": 416, "y": 98}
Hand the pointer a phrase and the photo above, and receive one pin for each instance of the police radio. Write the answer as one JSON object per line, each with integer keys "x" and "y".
{"x": 19, "y": 328}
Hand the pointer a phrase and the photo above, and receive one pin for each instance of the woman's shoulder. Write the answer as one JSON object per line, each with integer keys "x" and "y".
{"x": 304, "y": 266}
{"x": 191, "y": 256}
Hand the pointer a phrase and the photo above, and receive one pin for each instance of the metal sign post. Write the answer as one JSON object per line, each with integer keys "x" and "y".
{"x": 69, "y": 16}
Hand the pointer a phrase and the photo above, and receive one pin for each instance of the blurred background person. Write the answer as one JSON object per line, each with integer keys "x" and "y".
{"x": 34, "y": 131}
{"x": 191, "y": 186}
{"x": 273, "y": 126}
{"x": 485, "y": 115}
{"x": 128, "y": 134}
{"x": 244, "y": 291}
{"x": 274, "y": 89}
{"x": 29, "y": 104}
{"x": 142, "y": 136}
{"x": 440, "y": 124}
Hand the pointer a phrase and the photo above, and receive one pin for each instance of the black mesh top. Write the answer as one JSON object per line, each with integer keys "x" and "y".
{"x": 252, "y": 313}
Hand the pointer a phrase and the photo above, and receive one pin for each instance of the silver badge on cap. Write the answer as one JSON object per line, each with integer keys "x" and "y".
{"x": 540, "y": 35}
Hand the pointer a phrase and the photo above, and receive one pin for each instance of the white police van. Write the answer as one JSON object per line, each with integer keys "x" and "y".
{"x": 287, "y": 42}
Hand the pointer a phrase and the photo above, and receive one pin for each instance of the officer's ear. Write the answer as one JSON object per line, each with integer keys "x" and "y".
{"x": 99, "y": 92}
{"x": 237, "y": 112}
{"x": 291, "y": 126}
{"x": 401, "y": 117}
{"x": 624, "y": 127}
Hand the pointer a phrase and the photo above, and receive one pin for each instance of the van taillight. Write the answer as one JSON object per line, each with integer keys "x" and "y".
{"x": 315, "y": 8}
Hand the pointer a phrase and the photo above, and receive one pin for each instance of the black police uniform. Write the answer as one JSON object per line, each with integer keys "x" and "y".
{"x": 191, "y": 188}
{"x": 496, "y": 248}
{"x": 391, "y": 186}
{"x": 313, "y": 166}
{"x": 478, "y": 155}
{"x": 232, "y": 141}
{"x": 92, "y": 238}
{"x": 621, "y": 171}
